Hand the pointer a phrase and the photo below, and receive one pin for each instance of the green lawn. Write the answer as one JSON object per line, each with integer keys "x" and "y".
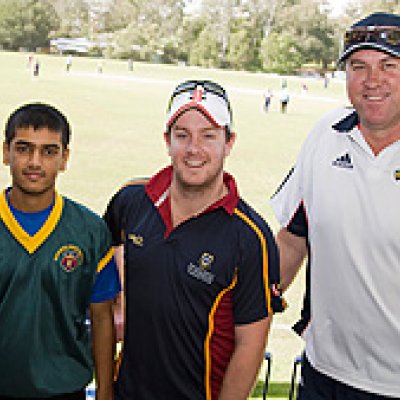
{"x": 117, "y": 120}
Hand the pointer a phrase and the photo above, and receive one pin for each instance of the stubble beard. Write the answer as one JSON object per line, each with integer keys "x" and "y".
{"x": 34, "y": 193}
{"x": 204, "y": 187}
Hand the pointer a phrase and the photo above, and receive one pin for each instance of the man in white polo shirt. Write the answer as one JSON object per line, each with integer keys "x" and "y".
{"x": 340, "y": 206}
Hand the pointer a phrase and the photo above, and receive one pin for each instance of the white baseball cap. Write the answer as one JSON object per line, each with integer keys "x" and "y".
{"x": 207, "y": 96}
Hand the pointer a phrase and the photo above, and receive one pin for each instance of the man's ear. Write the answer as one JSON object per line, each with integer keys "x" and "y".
{"x": 167, "y": 138}
{"x": 229, "y": 144}
{"x": 65, "y": 158}
{"x": 6, "y": 153}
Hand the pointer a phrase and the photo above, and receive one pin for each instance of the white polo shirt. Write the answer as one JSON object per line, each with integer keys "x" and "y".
{"x": 346, "y": 201}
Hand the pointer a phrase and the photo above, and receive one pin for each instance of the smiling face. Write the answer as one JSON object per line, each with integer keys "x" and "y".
{"x": 197, "y": 149}
{"x": 373, "y": 87}
{"x": 35, "y": 158}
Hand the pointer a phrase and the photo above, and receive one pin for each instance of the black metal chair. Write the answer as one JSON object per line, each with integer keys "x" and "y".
{"x": 293, "y": 382}
{"x": 268, "y": 358}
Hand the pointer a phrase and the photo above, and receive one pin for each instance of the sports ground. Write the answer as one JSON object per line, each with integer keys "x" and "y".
{"x": 117, "y": 119}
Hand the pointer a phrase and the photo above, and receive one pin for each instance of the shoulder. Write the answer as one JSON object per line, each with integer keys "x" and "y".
{"x": 80, "y": 214}
{"x": 129, "y": 191}
{"x": 329, "y": 120}
{"x": 250, "y": 222}
{"x": 324, "y": 129}
{"x": 132, "y": 187}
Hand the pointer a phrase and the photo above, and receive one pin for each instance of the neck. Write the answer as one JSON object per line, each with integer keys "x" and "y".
{"x": 30, "y": 202}
{"x": 186, "y": 203}
{"x": 379, "y": 139}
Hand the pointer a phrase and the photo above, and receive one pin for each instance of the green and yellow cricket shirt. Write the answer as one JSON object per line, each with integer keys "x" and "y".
{"x": 46, "y": 286}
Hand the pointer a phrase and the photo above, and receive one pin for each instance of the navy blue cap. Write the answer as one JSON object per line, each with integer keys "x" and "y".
{"x": 379, "y": 31}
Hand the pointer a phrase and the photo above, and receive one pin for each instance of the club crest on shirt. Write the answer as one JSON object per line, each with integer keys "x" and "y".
{"x": 69, "y": 257}
{"x": 206, "y": 260}
{"x": 201, "y": 270}
{"x": 397, "y": 175}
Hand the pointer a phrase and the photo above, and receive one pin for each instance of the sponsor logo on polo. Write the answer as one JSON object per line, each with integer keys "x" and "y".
{"x": 397, "y": 175}
{"x": 69, "y": 257}
{"x": 136, "y": 239}
{"x": 201, "y": 270}
{"x": 343, "y": 161}
{"x": 276, "y": 289}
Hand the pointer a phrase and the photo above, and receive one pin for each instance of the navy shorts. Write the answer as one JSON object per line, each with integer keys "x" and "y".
{"x": 317, "y": 386}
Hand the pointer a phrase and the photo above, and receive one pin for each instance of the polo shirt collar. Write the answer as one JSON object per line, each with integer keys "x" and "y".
{"x": 348, "y": 123}
{"x": 157, "y": 188}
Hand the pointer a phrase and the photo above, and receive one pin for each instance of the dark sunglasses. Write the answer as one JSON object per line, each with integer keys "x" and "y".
{"x": 208, "y": 86}
{"x": 389, "y": 35}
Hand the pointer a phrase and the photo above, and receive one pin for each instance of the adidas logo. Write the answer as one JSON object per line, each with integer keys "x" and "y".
{"x": 343, "y": 161}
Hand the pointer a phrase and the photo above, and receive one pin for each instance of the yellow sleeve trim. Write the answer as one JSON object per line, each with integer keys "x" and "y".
{"x": 209, "y": 335}
{"x": 264, "y": 250}
{"x": 105, "y": 260}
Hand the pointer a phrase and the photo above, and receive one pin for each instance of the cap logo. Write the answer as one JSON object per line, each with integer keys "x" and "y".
{"x": 198, "y": 94}
{"x": 206, "y": 96}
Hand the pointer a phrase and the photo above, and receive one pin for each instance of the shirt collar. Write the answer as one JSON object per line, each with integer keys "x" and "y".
{"x": 348, "y": 123}
{"x": 157, "y": 188}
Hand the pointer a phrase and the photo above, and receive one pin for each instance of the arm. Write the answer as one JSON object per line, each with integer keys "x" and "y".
{"x": 119, "y": 306}
{"x": 250, "y": 342}
{"x": 292, "y": 251}
{"x": 103, "y": 347}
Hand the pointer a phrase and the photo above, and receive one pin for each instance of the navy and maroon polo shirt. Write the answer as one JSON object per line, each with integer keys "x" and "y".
{"x": 187, "y": 287}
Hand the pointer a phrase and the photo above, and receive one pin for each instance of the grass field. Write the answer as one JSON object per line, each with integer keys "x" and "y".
{"x": 117, "y": 120}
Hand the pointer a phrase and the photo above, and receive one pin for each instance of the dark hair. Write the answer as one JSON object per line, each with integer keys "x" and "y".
{"x": 38, "y": 115}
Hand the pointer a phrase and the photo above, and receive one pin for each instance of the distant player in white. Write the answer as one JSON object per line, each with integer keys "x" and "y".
{"x": 340, "y": 205}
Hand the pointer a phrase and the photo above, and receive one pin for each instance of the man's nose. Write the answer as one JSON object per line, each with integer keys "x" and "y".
{"x": 35, "y": 157}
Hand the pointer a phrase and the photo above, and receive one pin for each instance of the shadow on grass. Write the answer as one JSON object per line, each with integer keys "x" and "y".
{"x": 275, "y": 389}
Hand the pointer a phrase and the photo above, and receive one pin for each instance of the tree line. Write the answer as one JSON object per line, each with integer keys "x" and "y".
{"x": 255, "y": 35}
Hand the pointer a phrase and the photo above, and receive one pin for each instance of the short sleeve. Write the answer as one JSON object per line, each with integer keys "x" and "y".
{"x": 113, "y": 217}
{"x": 257, "y": 293}
{"x": 287, "y": 201}
{"x": 107, "y": 284}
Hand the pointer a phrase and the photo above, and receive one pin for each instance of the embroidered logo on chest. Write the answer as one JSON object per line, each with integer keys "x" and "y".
{"x": 343, "y": 161}
{"x": 136, "y": 239}
{"x": 201, "y": 270}
{"x": 397, "y": 175}
{"x": 69, "y": 257}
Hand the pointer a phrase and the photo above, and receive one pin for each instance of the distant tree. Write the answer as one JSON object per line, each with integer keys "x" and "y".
{"x": 219, "y": 16}
{"x": 188, "y": 35}
{"x": 282, "y": 53}
{"x": 243, "y": 51}
{"x": 119, "y": 15}
{"x": 26, "y": 23}
{"x": 151, "y": 29}
{"x": 307, "y": 28}
{"x": 74, "y": 18}
{"x": 261, "y": 18}
{"x": 205, "y": 50}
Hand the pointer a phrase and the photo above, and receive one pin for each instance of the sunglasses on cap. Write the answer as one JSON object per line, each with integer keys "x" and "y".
{"x": 385, "y": 35}
{"x": 207, "y": 86}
